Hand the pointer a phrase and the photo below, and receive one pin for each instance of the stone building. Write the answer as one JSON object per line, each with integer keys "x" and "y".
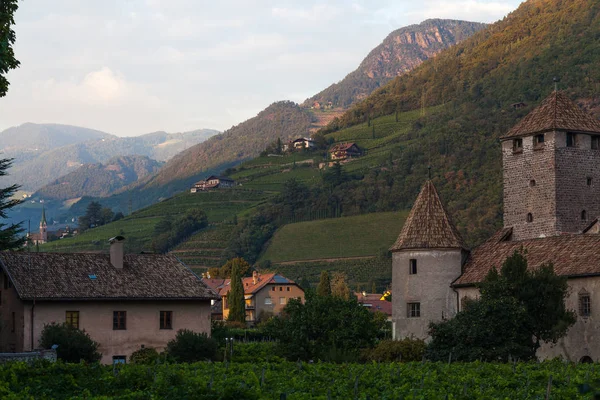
{"x": 40, "y": 237}
{"x": 123, "y": 302}
{"x": 551, "y": 164}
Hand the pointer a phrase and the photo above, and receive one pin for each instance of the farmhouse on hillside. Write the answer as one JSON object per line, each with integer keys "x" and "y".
{"x": 265, "y": 294}
{"x": 304, "y": 143}
{"x": 344, "y": 151}
{"x": 551, "y": 165}
{"x": 213, "y": 182}
{"x": 124, "y": 302}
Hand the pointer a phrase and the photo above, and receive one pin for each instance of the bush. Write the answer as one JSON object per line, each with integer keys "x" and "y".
{"x": 73, "y": 345}
{"x": 189, "y": 346}
{"x": 406, "y": 350}
{"x": 145, "y": 356}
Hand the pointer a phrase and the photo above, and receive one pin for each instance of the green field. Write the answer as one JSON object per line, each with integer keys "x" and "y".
{"x": 138, "y": 228}
{"x": 205, "y": 249}
{"x": 356, "y": 236}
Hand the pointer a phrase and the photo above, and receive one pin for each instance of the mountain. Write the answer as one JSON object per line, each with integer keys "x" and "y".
{"x": 401, "y": 51}
{"x": 99, "y": 180}
{"x": 45, "y": 152}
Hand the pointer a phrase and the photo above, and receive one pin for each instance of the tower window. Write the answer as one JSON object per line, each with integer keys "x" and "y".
{"x": 589, "y": 181}
{"x": 538, "y": 140}
{"x": 595, "y": 142}
{"x": 532, "y": 183}
{"x": 517, "y": 145}
{"x": 571, "y": 139}
{"x": 412, "y": 267}
{"x": 583, "y": 215}
{"x": 529, "y": 217}
{"x": 585, "y": 305}
{"x": 413, "y": 310}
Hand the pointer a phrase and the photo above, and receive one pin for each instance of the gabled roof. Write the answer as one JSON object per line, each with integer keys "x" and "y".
{"x": 222, "y": 286}
{"x": 557, "y": 112}
{"x": 428, "y": 225}
{"x": 342, "y": 147}
{"x": 571, "y": 254}
{"x": 84, "y": 276}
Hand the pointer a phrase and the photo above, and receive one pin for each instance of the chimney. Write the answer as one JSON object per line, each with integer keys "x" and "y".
{"x": 116, "y": 251}
{"x": 255, "y": 277}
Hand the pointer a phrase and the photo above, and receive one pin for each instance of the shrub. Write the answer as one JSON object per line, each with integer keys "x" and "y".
{"x": 407, "y": 349}
{"x": 73, "y": 345}
{"x": 145, "y": 356}
{"x": 189, "y": 346}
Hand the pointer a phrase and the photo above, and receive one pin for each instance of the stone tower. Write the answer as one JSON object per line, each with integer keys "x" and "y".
{"x": 551, "y": 162}
{"x": 43, "y": 227}
{"x": 426, "y": 259}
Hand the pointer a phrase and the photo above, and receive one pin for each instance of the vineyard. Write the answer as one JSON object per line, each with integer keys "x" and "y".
{"x": 290, "y": 380}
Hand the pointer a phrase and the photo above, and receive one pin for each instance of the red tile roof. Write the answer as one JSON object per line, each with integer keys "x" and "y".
{"x": 342, "y": 147}
{"x": 222, "y": 286}
{"x": 557, "y": 112}
{"x": 377, "y": 306}
{"x": 428, "y": 225}
{"x": 85, "y": 276}
{"x": 571, "y": 254}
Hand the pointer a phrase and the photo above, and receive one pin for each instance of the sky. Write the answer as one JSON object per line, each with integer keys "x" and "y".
{"x": 130, "y": 67}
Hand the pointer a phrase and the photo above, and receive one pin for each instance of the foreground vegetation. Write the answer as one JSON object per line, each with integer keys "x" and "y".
{"x": 297, "y": 380}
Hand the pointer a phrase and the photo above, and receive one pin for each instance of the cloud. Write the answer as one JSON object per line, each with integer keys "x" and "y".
{"x": 317, "y": 13}
{"x": 470, "y": 10}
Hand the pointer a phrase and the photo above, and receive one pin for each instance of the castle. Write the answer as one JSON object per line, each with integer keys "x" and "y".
{"x": 551, "y": 176}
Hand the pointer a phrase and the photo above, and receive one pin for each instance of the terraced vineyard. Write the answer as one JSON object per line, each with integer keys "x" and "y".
{"x": 205, "y": 249}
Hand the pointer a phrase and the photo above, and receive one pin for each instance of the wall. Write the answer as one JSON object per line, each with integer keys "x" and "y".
{"x": 10, "y": 341}
{"x": 436, "y": 270}
{"x": 142, "y": 323}
{"x": 275, "y": 307}
{"x": 49, "y": 355}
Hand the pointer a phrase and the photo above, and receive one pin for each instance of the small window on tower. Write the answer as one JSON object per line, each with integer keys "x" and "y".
{"x": 538, "y": 140}
{"x": 517, "y": 145}
{"x": 529, "y": 217}
{"x": 412, "y": 267}
{"x": 413, "y": 310}
{"x": 595, "y": 142}
{"x": 532, "y": 183}
{"x": 571, "y": 139}
{"x": 583, "y": 215}
{"x": 585, "y": 304}
{"x": 589, "y": 181}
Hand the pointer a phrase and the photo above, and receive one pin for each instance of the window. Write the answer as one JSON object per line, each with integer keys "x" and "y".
{"x": 282, "y": 300}
{"x": 589, "y": 181}
{"x": 583, "y": 215}
{"x": 281, "y": 288}
{"x": 538, "y": 140}
{"x": 595, "y": 142}
{"x": 517, "y": 145}
{"x": 5, "y": 281}
{"x": 413, "y": 310}
{"x": 13, "y": 321}
{"x": 0, "y": 297}
{"x": 287, "y": 288}
{"x": 412, "y": 266}
{"x": 119, "y": 359}
{"x": 571, "y": 139}
{"x": 225, "y": 305}
{"x": 72, "y": 319}
{"x": 273, "y": 288}
{"x": 532, "y": 183}
{"x": 268, "y": 301}
{"x": 585, "y": 305}
{"x": 119, "y": 320}
{"x": 529, "y": 217}
{"x": 166, "y": 320}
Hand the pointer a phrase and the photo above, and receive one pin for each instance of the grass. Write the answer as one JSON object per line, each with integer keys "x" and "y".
{"x": 356, "y": 236}
{"x": 205, "y": 249}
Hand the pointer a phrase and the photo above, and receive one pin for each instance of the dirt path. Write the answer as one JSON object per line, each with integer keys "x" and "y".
{"x": 323, "y": 260}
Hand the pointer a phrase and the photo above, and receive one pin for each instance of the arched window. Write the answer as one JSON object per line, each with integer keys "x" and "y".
{"x": 586, "y": 360}
{"x": 583, "y": 215}
{"x": 529, "y": 217}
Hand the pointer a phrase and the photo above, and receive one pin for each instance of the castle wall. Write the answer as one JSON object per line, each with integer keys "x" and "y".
{"x": 521, "y": 196}
{"x": 430, "y": 287}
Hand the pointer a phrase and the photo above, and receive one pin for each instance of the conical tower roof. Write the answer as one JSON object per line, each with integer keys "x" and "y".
{"x": 557, "y": 112}
{"x": 428, "y": 225}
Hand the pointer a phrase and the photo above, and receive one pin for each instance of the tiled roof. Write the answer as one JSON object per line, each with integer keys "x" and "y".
{"x": 377, "y": 306}
{"x": 84, "y": 276}
{"x": 249, "y": 286}
{"x": 557, "y": 112}
{"x": 571, "y": 255}
{"x": 342, "y": 147}
{"x": 428, "y": 225}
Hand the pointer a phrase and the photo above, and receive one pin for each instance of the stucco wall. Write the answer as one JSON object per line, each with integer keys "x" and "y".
{"x": 436, "y": 269}
{"x": 280, "y": 292}
{"x": 10, "y": 340}
{"x": 143, "y": 319}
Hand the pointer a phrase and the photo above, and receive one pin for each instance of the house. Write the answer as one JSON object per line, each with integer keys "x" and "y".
{"x": 316, "y": 105}
{"x": 124, "y": 302}
{"x": 519, "y": 105}
{"x": 303, "y": 143}
{"x": 213, "y": 182}
{"x": 551, "y": 166}
{"x": 374, "y": 302}
{"x": 264, "y": 294}
{"x": 343, "y": 151}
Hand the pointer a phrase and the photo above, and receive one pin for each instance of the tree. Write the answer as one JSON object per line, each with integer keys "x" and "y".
{"x": 106, "y": 216}
{"x": 324, "y": 286}
{"x": 189, "y": 346}
{"x": 73, "y": 345}
{"x": 235, "y": 298}
{"x": 517, "y": 311}
{"x": 9, "y": 233}
{"x": 7, "y": 40}
{"x": 339, "y": 287}
{"x": 243, "y": 268}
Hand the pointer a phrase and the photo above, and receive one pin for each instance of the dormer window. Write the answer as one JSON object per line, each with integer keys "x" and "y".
{"x": 538, "y": 141}
{"x": 529, "y": 217}
{"x": 571, "y": 139}
{"x": 595, "y": 142}
{"x": 517, "y": 145}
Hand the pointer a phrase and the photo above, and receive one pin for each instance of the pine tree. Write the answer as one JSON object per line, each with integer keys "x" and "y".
{"x": 7, "y": 39}
{"x": 324, "y": 287}
{"x": 237, "y": 306}
{"x": 9, "y": 234}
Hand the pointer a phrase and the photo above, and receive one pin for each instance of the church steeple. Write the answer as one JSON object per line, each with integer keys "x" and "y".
{"x": 43, "y": 227}
{"x": 43, "y": 221}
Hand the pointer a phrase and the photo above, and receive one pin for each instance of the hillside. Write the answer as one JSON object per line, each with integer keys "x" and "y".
{"x": 99, "y": 180}
{"x": 401, "y": 51}
{"x": 45, "y": 152}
